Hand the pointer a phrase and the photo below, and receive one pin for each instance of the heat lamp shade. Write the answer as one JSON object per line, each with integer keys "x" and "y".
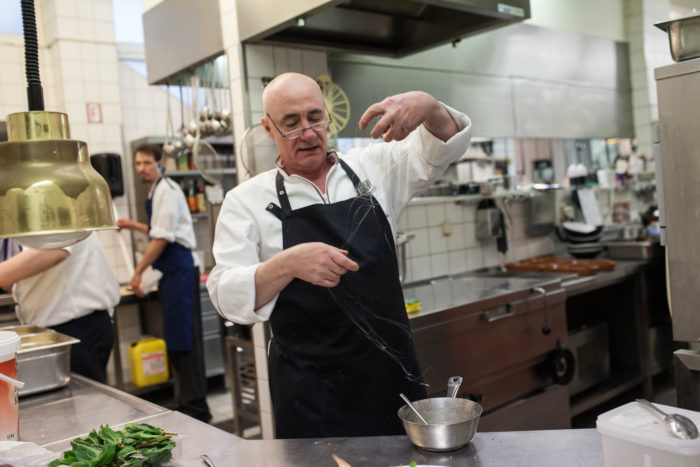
{"x": 50, "y": 196}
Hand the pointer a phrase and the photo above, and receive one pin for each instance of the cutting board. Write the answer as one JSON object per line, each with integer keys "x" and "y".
{"x": 582, "y": 267}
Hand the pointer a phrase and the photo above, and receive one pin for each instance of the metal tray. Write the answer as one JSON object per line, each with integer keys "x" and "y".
{"x": 629, "y": 250}
{"x": 43, "y": 360}
{"x": 683, "y": 36}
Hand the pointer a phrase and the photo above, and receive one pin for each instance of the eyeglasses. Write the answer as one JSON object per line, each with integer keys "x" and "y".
{"x": 297, "y": 132}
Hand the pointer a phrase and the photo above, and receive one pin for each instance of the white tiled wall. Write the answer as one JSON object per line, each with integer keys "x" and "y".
{"x": 648, "y": 50}
{"x": 432, "y": 254}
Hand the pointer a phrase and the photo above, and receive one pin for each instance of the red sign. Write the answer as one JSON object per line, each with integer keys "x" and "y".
{"x": 94, "y": 112}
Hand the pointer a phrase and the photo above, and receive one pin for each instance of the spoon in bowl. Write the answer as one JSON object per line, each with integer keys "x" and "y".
{"x": 681, "y": 426}
{"x": 413, "y": 408}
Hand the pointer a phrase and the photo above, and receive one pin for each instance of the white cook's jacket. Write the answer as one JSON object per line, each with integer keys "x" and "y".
{"x": 171, "y": 219}
{"x": 75, "y": 287}
{"x": 247, "y": 234}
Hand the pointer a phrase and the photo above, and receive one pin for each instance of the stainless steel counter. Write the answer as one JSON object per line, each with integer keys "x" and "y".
{"x": 624, "y": 269}
{"x": 76, "y": 409}
{"x": 444, "y": 293}
{"x": 53, "y": 419}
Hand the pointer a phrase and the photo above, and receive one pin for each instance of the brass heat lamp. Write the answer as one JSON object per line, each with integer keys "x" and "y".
{"x": 50, "y": 196}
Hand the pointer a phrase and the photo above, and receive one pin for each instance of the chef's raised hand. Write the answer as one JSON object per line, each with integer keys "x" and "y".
{"x": 403, "y": 113}
{"x": 320, "y": 263}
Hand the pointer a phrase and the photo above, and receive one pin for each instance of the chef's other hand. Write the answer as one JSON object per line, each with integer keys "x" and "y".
{"x": 400, "y": 114}
{"x": 135, "y": 285}
{"x": 320, "y": 263}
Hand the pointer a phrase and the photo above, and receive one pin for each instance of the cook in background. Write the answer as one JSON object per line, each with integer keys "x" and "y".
{"x": 288, "y": 237}
{"x": 169, "y": 250}
{"x": 72, "y": 290}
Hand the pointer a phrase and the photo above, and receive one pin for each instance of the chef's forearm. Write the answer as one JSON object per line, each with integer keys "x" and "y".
{"x": 27, "y": 264}
{"x": 140, "y": 227}
{"x": 441, "y": 124}
{"x": 271, "y": 277}
{"x": 153, "y": 250}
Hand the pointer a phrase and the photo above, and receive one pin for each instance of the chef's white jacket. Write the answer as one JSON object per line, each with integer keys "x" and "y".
{"x": 247, "y": 234}
{"x": 75, "y": 287}
{"x": 171, "y": 219}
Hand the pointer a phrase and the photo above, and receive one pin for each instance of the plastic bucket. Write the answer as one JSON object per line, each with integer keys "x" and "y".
{"x": 9, "y": 421}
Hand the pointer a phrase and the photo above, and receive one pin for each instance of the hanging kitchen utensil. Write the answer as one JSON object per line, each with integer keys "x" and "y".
{"x": 205, "y": 158}
{"x": 501, "y": 239}
{"x": 256, "y": 152}
{"x": 213, "y": 123}
{"x": 168, "y": 147}
{"x": 488, "y": 221}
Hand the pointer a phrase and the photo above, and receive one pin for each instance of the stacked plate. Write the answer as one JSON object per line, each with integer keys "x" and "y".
{"x": 585, "y": 250}
{"x": 578, "y": 232}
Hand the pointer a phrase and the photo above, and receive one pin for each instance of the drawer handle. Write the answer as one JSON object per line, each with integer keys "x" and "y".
{"x": 505, "y": 311}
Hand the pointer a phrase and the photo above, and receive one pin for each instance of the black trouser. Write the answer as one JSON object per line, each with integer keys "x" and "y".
{"x": 89, "y": 357}
{"x": 188, "y": 368}
{"x": 190, "y": 384}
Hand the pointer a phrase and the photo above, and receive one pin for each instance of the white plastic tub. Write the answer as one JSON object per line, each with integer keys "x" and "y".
{"x": 634, "y": 436}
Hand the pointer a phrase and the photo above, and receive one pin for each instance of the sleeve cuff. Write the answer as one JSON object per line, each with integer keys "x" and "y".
{"x": 234, "y": 297}
{"x": 440, "y": 153}
{"x": 157, "y": 232}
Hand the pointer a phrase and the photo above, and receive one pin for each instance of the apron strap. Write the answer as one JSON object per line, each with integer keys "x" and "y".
{"x": 282, "y": 194}
{"x": 362, "y": 187}
{"x": 286, "y": 210}
{"x": 276, "y": 210}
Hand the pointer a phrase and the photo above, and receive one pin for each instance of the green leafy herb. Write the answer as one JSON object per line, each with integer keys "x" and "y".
{"x": 137, "y": 445}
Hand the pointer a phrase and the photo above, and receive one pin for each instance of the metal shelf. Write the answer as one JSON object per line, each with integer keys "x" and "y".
{"x": 191, "y": 173}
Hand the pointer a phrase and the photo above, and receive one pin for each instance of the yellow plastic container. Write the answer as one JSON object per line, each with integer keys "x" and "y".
{"x": 412, "y": 305}
{"x": 149, "y": 361}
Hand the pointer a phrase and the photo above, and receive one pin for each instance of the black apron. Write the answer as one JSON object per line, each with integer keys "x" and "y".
{"x": 327, "y": 379}
{"x": 175, "y": 290}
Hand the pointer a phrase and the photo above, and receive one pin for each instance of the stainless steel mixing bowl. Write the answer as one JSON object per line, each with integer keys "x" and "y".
{"x": 451, "y": 423}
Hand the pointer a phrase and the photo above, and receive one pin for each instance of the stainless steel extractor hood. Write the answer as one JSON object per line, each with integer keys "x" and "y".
{"x": 380, "y": 27}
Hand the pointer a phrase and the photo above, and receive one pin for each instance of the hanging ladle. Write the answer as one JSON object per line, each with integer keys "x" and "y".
{"x": 413, "y": 408}
{"x": 681, "y": 426}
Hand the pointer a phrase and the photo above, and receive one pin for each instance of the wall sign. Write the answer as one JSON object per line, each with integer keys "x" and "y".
{"x": 94, "y": 112}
